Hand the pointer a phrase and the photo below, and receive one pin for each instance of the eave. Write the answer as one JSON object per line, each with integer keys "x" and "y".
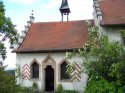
{"x": 45, "y": 51}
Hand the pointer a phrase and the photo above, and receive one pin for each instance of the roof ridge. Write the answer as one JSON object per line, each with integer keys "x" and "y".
{"x": 64, "y": 21}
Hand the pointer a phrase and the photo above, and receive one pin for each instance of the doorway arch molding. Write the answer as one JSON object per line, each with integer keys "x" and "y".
{"x": 48, "y": 61}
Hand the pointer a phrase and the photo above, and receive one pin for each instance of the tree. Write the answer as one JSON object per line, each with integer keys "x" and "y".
{"x": 7, "y": 32}
{"x": 104, "y": 63}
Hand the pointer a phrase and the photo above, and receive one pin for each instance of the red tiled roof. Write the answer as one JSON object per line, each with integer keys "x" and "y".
{"x": 54, "y": 36}
{"x": 113, "y": 12}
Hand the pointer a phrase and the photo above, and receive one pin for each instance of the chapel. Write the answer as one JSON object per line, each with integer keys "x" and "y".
{"x": 41, "y": 49}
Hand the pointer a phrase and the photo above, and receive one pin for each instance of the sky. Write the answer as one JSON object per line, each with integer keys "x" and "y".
{"x": 44, "y": 11}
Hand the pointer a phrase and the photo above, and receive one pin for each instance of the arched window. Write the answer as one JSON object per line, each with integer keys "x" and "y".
{"x": 63, "y": 69}
{"x": 35, "y": 70}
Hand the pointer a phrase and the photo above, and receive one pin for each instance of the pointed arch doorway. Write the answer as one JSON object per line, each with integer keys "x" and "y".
{"x": 49, "y": 79}
{"x": 49, "y": 74}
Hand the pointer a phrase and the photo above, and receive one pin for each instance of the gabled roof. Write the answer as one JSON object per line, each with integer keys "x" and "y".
{"x": 54, "y": 36}
{"x": 113, "y": 12}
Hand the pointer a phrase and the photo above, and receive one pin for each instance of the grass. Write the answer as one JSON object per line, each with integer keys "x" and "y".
{"x": 67, "y": 91}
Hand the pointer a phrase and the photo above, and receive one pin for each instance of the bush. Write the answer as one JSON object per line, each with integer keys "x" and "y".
{"x": 35, "y": 88}
{"x": 67, "y": 91}
{"x": 59, "y": 88}
{"x": 101, "y": 86}
{"x": 104, "y": 62}
{"x": 7, "y": 82}
{"x": 21, "y": 89}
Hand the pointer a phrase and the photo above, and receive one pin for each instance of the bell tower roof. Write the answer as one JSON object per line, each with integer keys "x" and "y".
{"x": 64, "y": 9}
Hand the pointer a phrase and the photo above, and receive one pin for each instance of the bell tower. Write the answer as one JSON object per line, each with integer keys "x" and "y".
{"x": 64, "y": 9}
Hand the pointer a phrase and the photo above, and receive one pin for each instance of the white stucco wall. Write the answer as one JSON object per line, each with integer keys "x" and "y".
{"x": 22, "y": 59}
{"x": 112, "y": 33}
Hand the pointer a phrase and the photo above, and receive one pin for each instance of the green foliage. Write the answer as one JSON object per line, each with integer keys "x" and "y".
{"x": 18, "y": 70}
{"x": 2, "y": 10}
{"x": 122, "y": 32}
{"x": 67, "y": 91}
{"x": 104, "y": 63}
{"x": 7, "y": 32}
{"x": 2, "y": 50}
{"x": 7, "y": 82}
{"x": 70, "y": 68}
{"x": 59, "y": 88}
{"x": 18, "y": 73}
{"x": 35, "y": 88}
{"x": 23, "y": 89}
{"x": 100, "y": 86}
